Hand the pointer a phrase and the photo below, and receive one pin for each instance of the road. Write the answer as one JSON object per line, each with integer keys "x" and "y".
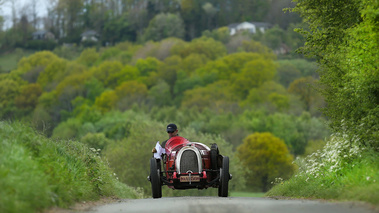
{"x": 230, "y": 204}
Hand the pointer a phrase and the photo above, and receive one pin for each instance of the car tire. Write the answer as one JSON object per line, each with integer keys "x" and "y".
{"x": 224, "y": 178}
{"x": 214, "y": 156}
{"x": 156, "y": 187}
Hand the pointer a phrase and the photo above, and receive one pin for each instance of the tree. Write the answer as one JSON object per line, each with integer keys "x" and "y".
{"x": 93, "y": 88}
{"x": 164, "y": 26}
{"x": 203, "y": 46}
{"x": 159, "y": 95}
{"x": 211, "y": 72}
{"x": 88, "y": 57}
{"x": 256, "y": 47}
{"x": 160, "y": 50}
{"x": 107, "y": 72}
{"x": 47, "y": 113}
{"x": 344, "y": 42}
{"x": 305, "y": 89}
{"x": 129, "y": 93}
{"x": 221, "y": 34}
{"x": 72, "y": 11}
{"x": 253, "y": 74}
{"x": 28, "y": 97}
{"x": 272, "y": 38}
{"x": 287, "y": 73}
{"x": 116, "y": 29}
{"x": 275, "y": 14}
{"x": 236, "y": 61}
{"x": 138, "y": 16}
{"x": 210, "y": 11}
{"x": 127, "y": 73}
{"x": 216, "y": 96}
{"x": 147, "y": 65}
{"x": 106, "y": 101}
{"x": 68, "y": 129}
{"x": 53, "y": 72}
{"x": 266, "y": 157}
{"x": 148, "y": 70}
{"x": 87, "y": 113}
{"x": 192, "y": 12}
{"x": 306, "y": 67}
{"x": 266, "y": 94}
{"x": 38, "y": 60}
{"x": 193, "y": 62}
{"x": 9, "y": 90}
{"x": 168, "y": 71}
{"x": 95, "y": 140}
{"x": 293, "y": 38}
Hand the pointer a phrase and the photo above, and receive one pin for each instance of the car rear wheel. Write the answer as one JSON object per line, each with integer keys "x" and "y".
{"x": 155, "y": 179}
{"x": 214, "y": 155}
{"x": 224, "y": 178}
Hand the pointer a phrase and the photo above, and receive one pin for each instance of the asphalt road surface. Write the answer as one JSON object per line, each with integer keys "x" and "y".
{"x": 230, "y": 204}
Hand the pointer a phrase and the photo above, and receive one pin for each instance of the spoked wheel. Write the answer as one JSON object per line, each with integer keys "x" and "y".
{"x": 155, "y": 179}
{"x": 224, "y": 178}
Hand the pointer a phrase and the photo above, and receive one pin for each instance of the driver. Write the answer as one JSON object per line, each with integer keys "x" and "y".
{"x": 172, "y": 131}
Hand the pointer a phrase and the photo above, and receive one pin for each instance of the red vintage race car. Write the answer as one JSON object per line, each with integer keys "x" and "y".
{"x": 189, "y": 165}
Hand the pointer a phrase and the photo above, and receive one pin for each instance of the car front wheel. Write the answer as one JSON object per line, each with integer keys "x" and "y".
{"x": 155, "y": 179}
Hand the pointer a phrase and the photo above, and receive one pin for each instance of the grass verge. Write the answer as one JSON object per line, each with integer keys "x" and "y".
{"x": 356, "y": 181}
{"x": 247, "y": 194}
{"x": 9, "y": 61}
{"x": 37, "y": 173}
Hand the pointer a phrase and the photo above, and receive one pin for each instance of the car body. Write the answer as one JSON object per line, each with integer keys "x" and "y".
{"x": 188, "y": 165}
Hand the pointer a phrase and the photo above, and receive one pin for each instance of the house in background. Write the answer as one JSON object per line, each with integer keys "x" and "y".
{"x": 251, "y": 27}
{"x": 43, "y": 35}
{"x": 90, "y": 35}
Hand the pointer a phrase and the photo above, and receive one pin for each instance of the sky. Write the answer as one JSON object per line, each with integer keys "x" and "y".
{"x": 6, "y": 9}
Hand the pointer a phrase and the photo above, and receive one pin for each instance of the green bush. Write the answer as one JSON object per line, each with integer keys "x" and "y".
{"x": 40, "y": 45}
{"x": 36, "y": 172}
{"x": 265, "y": 157}
{"x": 345, "y": 44}
{"x": 342, "y": 170}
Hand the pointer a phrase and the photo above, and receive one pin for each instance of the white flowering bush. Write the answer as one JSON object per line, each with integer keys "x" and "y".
{"x": 344, "y": 169}
{"x": 339, "y": 152}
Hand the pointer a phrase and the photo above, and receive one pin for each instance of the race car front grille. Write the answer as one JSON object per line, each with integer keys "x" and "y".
{"x": 189, "y": 162}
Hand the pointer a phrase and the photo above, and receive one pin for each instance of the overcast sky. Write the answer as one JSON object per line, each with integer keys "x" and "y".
{"x": 6, "y": 9}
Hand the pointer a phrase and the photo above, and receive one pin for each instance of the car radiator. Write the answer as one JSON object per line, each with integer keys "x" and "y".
{"x": 189, "y": 160}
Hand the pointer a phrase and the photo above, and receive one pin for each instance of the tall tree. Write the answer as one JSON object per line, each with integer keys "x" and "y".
{"x": 65, "y": 18}
{"x": 33, "y": 4}
{"x": 164, "y": 26}
{"x": 343, "y": 37}
{"x": 192, "y": 12}
{"x": 210, "y": 12}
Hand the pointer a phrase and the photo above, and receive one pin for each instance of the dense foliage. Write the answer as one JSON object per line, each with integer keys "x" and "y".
{"x": 119, "y": 99}
{"x": 36, "y": 172}
{"x": 343, "y": 37}
{"x": 345, "y": 43}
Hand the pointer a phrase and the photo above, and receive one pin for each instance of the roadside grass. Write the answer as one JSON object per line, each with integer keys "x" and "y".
{"x": 8, "y": 61}
{"x": 356, "y": 181}
{"x": 247, "y": 194}
{"x": 37, "y": 173}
